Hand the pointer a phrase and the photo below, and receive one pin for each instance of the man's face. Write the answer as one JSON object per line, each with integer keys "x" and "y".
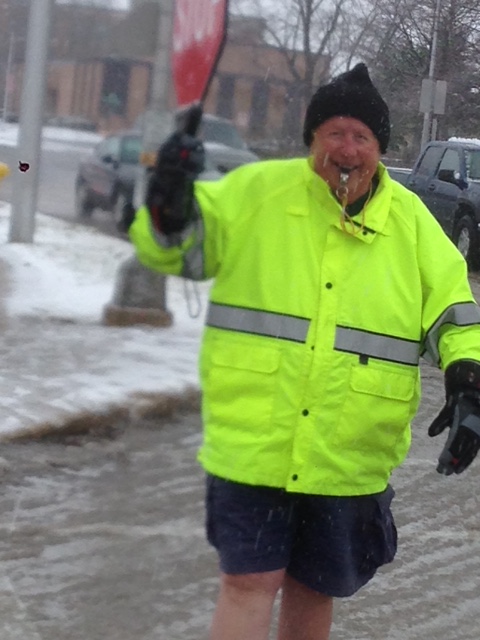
{"x": 345, "y": 145}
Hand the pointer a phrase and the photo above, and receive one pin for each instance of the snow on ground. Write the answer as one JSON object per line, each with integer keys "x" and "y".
{"x": 53, "y": 138}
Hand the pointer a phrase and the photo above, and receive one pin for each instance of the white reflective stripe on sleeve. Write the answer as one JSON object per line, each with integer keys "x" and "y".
{"x": 461, "y": 315}
{"x": 377, "y": 345}
{"x": 264, "y": 323}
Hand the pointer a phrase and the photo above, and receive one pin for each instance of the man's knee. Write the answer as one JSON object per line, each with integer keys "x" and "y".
{"x": 266, "y": 583}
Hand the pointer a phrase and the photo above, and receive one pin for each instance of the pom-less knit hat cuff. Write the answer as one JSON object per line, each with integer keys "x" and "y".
{"x": 350, "y": 94}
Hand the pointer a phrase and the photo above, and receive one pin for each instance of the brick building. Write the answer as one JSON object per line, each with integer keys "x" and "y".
{"x": 101, "y": 64}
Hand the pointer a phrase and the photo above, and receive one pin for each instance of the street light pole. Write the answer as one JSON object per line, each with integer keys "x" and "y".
{"x": 427, "y": 118}
{"x": 8, "y": 77}
{"x": 24, "y": 201}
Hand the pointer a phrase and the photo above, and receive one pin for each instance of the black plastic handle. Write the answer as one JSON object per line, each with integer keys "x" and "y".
{"x": 193, "y": 119}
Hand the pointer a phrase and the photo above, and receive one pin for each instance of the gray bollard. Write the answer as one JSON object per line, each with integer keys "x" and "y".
{"x": 139, "y": 297}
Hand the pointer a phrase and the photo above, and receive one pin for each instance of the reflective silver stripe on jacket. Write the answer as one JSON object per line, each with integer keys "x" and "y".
{"x": 377, "y": 345}
{"x": 461, "y": 315}
{"x": 263, "y": 323}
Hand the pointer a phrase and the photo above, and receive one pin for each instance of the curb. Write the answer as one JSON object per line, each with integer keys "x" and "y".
{"x": 117, "y": 316}
{"x": 140, "y": 406}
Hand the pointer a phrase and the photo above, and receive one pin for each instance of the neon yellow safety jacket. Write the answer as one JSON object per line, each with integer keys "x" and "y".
{"x": 310, "y": 358}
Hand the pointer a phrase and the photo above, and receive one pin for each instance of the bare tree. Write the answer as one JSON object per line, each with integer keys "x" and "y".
{"x": 319, "y": 38}
{"x": 305, "y": 31}
{"x": 401, "y": 60}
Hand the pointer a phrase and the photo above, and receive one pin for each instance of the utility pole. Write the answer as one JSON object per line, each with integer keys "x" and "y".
{"x": 159, "y": 120}
{"x": 427, "y": 118}
{"x": 22, "y": 221}
{"x": 8, "y": 77}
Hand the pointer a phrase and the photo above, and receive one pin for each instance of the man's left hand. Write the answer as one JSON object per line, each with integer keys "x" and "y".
{"x": 461, "y": 414}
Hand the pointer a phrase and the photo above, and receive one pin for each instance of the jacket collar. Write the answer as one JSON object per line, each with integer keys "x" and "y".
{"x": 376, "y": 211}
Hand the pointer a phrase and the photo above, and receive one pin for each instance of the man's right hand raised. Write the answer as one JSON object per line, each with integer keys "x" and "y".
{"x": 169, "y": 198}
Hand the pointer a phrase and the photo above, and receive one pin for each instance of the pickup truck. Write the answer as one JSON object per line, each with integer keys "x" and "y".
{"x": 446, "y": 176}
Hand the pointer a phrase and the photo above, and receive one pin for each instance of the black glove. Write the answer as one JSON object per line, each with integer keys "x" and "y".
{"x": 461, "y": 414}
{"x": 180, "y": 159}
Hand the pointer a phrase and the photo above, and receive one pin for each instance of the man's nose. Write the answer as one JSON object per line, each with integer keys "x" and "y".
{"x": 348, "y": 145}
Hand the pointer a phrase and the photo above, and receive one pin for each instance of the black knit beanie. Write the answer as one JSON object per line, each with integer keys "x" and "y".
{"x": 350, "y": 94}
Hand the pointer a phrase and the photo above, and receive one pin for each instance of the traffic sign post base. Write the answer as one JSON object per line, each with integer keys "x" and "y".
{"x": 139, "y": 298}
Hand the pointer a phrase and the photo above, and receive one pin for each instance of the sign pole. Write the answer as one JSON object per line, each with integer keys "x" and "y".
{"x": 139, "y": 295}
{"x": 22, "y": 220}
{"x": 427, "y": 118}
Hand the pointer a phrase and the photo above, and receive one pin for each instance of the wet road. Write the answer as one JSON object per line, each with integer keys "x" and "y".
{"x": 56, "y": 184}
{"x": 102, "y": 539}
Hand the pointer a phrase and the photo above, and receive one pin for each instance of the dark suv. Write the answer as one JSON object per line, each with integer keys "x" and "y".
{"x": 446, "y": 177}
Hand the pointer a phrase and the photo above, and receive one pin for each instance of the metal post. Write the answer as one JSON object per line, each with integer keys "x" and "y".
{"x": 158, "y": 119}
{"x": 24, "y": 201}
{"x": 8, "y": 77}
{"x": 427, "y": 118}
{"x": 140, "y": 294}
{"x": 162, "y": 78}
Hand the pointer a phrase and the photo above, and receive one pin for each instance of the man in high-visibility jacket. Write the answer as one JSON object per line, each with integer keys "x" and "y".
{"x": 330, "y": 282}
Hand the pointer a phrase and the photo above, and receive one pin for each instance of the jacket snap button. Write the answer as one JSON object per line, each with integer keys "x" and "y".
{"x": 329, "y": 285}
{"x": 294, "y": 477}
{"x": 305, "y": 412}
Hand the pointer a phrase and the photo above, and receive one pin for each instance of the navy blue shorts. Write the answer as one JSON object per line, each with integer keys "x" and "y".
{"x": 334, "y": 545}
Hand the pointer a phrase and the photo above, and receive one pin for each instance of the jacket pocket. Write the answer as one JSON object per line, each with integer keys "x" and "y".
{"x": 239, "y": 384}
{"x": 378, "y": 407}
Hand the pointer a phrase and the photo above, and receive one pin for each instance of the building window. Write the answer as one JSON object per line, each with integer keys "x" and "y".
{"x": 225, "y": 96}
{"x": 259, "y": 108}
{"x": 292, "y": 118}
{"x": 116, "y": 80}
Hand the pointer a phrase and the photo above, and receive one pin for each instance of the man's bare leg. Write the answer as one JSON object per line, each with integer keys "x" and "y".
{"x": 304, "y": 613}
{"x": 244, "y": 606}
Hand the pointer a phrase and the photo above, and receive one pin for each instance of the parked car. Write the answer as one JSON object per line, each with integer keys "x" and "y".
{"x": 225, "y": 147}
{"x": 106, "y": 179}
{"x": 446, "y": 176}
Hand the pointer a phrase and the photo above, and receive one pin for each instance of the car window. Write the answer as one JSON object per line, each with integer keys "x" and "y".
{"x": 473, "y": 164}
{"x": 100, "y": 149}
{"x": 130, "y": 150}
{"x": 429, "y": 162}
{"x": 109, "y": 147}
{"x": 399, "y": 174}
{"x": 450, "y": 161}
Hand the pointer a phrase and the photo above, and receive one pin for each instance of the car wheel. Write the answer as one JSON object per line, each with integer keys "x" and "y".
{"x": 83, "y": 201}
{"x": 466, "y": 241}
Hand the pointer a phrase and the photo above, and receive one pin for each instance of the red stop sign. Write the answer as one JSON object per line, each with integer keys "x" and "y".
{"x": 199, "y": 31}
